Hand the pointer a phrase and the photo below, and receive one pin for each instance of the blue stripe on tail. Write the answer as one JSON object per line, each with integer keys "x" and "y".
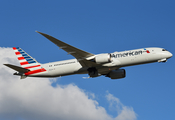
{"x": 26, "y": 56}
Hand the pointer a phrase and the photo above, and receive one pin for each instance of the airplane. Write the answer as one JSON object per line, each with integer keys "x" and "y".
{"x": 107, "y": 64}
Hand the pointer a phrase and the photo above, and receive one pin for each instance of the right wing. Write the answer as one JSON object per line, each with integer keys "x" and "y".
{"x": 80, "y": 55}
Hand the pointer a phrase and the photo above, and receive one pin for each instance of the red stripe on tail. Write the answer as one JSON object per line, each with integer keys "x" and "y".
{"x": 21, "y": 58}
{"x": 17, "y": 53}
{"x": 24, "y": 63}
{"x": 35, "y": 71}
{"x": 14, "y": 48}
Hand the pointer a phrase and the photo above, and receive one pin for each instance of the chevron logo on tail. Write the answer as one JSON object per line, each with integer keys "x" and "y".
{"x": 28, "y": 62}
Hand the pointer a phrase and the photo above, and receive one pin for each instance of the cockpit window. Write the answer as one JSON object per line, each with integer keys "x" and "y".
{"x": 164, "y": 50}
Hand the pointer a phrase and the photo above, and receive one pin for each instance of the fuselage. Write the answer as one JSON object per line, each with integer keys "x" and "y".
{"x": 118, "y": 60}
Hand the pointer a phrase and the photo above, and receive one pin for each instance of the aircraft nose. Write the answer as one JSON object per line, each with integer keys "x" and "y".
{"x": 167, "y": 54}
{"x": 170, "y": 55}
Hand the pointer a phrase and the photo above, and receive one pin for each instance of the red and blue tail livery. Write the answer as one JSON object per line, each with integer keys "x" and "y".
{"x": 25, "y": 60}
{"x": 29, "y": 65}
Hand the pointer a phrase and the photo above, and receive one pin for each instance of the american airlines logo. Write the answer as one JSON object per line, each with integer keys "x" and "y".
{"x": 131, "y": 53}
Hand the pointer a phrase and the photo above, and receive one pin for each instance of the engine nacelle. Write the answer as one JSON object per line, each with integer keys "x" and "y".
{"x": 103, "y": 58}
{"x": 117, "y": 74}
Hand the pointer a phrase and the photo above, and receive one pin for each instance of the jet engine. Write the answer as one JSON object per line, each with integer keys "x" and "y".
{"x": 116, "y": 74}
{"x": 102, "y": 58}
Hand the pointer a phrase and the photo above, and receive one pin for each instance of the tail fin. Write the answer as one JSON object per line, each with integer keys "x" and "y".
{"x": 28, "y": 62}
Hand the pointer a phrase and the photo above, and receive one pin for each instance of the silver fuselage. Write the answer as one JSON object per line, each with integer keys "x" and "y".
{"x": 119, "y": 59}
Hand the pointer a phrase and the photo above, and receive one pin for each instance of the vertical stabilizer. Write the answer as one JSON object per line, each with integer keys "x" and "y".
{"x": 28, "y": 62}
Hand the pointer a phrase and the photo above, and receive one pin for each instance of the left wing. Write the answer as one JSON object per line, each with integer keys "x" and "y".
{"x": 80, "y": 55}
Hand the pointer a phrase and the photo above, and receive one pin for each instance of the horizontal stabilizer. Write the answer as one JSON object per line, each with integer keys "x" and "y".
{"x": 19, "y": 69}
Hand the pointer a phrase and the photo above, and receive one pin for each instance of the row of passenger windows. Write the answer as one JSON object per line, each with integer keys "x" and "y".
{"x": 62, "y": 64}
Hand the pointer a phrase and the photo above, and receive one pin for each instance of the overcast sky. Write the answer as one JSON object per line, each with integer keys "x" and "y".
{"x": 96, "y": 26}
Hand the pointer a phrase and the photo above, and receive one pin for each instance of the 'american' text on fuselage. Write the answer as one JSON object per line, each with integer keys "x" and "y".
{"x": 131, "y": 53}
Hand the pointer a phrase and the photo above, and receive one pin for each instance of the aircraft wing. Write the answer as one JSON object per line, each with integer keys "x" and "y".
{"x": 80, "y": 55}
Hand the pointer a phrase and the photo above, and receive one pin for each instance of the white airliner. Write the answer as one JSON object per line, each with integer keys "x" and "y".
{"x": 107, "y": 64}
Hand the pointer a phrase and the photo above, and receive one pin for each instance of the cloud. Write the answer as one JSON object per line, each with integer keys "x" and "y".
{"x": 123, "y": 112}
{"x": 37, "y": 99}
